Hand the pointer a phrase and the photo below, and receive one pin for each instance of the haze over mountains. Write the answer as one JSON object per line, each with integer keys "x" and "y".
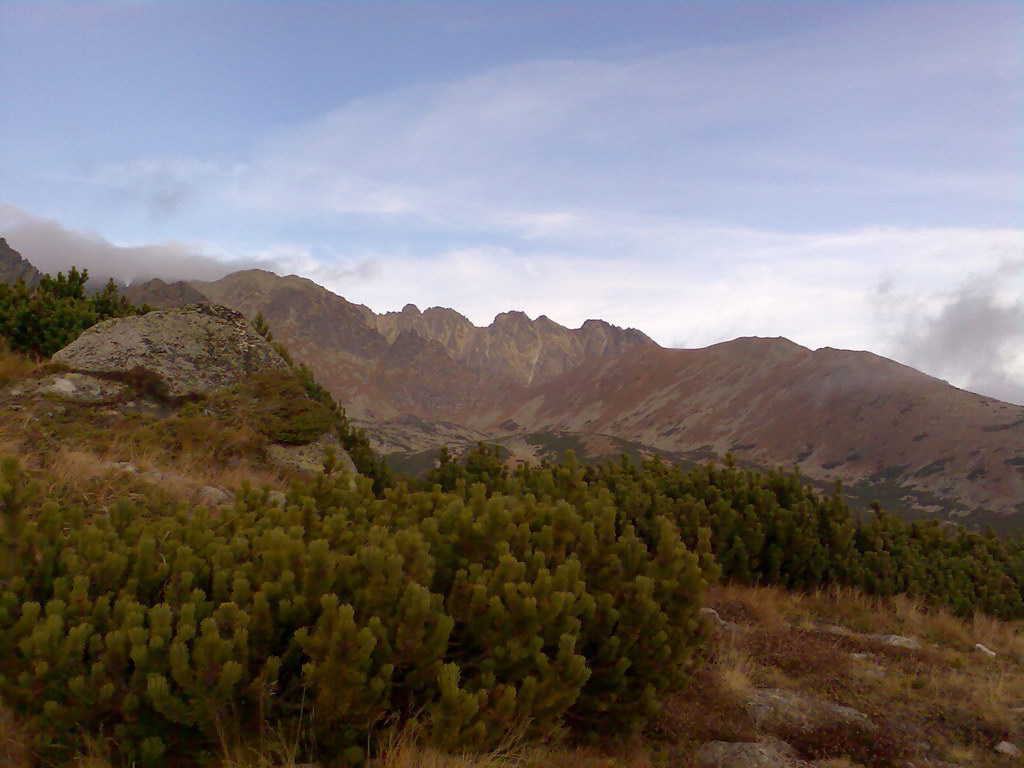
{"x": 416, "y": 380}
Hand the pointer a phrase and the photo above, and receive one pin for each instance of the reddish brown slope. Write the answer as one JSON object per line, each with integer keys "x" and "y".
{"x": 844, "y": 414}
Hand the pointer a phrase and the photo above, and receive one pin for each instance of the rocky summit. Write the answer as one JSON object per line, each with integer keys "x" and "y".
{"x": 194, "y": 350}
{"x": 416, "y": 380}
{"x": 14, "y": 268}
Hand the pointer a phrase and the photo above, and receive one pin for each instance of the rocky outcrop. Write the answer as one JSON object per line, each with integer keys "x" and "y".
{"x": 309, "y": 458}
{"x": 722, "y": 754}
{"x": 777, "y": 709}
{"x": 13, "y": 267}
{"x": 888, "y": 432}
{"x": 160, "y": 295}
{"x": 193, "y": 350}
{"x": 76, "y": 387}
{"x": 515, "y": 347}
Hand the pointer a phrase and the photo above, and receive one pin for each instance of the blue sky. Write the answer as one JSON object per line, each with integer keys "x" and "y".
{"x": 844, "y": 174}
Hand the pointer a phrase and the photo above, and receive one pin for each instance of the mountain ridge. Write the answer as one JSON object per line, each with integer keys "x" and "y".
{"x": 14, "y": 267}
{"x": 418, "y": 379}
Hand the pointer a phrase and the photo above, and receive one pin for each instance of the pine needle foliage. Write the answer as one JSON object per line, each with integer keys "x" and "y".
{"x": 40, "y": 320}
{"x": 770, "y": 528}
{"x": 169, "y": 631}
{"x": 354, "y": 440}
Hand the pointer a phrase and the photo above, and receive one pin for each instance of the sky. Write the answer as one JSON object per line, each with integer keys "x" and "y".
{"x": 845, "y": 174}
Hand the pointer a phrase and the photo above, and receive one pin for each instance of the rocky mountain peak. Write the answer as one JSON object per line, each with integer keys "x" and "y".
{"x": 14, "y": 267}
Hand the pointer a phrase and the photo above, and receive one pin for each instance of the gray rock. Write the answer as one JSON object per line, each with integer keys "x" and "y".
{"x": 712, "y": 616}
{"x": 194, "y": 350}
{"x": 76, "y": 387}
{"x": 773, "y": 709}
{"x": 984, "y": 651}
{"x": 211, "y": 496}
{"x": 718, "y": 624}
{"x": 310, "y": 457}
{"x": 898, "y": 641}
{"x": 1009, "y": 748}
{"x": 723, "y": 754}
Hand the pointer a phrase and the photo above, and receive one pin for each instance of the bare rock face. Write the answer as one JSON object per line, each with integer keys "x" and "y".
{"x": 160, "y": 295}
{"x": 194, "y": 350}
{"x": 13, "y": 267}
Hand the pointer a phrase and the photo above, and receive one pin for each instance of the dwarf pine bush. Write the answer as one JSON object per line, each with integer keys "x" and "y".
{"x": 168, "y": 630}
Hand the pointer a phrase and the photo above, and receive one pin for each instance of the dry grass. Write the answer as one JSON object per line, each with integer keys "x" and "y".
{"x": 13, "y": 750}
{"x": 14, "y": 367}
{"x": 407, "y": 751}
{"x": 948, "y": 695}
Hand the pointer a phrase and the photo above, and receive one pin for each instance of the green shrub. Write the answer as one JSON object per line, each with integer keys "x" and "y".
{"x": 166, "y": 630}
{"x": 43, "y": 319}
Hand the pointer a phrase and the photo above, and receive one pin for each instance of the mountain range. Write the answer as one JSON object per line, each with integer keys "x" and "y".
{"x": 416, "y": 380}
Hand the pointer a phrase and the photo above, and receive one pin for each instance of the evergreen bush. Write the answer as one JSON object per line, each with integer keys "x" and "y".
{"x": 168, "y": 631}
{"x": 45, "y": 318}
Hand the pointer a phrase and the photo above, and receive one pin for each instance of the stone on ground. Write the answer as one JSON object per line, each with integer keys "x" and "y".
{"x": 194, "y": 350}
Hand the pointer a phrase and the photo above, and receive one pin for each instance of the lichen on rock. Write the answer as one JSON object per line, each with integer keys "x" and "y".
{"x": 194, "y": 350}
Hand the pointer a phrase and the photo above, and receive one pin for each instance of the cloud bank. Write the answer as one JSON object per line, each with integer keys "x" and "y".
{"x": 52, "y": 248}
{"x": 972, "y": 335}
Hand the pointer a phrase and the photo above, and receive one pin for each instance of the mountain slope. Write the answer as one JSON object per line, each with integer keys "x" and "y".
{"x": 418, "y": 379}
{"x": 13, "y": 267}
{"x": 844, "y": 415}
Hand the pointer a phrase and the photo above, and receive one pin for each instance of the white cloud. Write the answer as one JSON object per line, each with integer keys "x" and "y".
{"x": 971, "y": 333}
{"x": 817, "y": 289}
{"x": 615, "y": 188}
{"x": 53, "y": 248}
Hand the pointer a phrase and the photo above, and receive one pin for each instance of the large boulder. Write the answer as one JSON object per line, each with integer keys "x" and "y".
{"x": 194, "y": 350}
{"x": 309, "y": 458}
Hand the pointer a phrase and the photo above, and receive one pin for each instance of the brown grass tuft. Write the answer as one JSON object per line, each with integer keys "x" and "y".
{"x": 14, "y": 749}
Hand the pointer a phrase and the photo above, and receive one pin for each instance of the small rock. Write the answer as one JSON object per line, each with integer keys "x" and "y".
{"x": 276, "y": 498}
{"x": 986, "y": 651}
{"x": 712, "y": 616}
{"x": 1008, "y": 748}
{"x": 309, "y": 458}
{"x": 62, "y": 386}
{"x": 717, "y": 622}
{"x": 77, "y": 387}
{"x": 211, "y": 496}
{"x": 775, "y": 708}
{"x": 898, "y": 641}
{"x": 723, "y": 754}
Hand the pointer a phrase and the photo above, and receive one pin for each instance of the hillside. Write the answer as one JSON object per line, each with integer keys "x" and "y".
{"x": 13, "y": 267}
{"x": 167, "y": 602}
{"x": 418, "y": 380}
